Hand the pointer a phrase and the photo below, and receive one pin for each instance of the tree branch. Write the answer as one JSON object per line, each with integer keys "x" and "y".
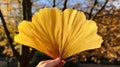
{"x": 59, "y": 3}
{"x": 29, "y": 10}
{"x": 90, "y": 15}
{"x": 27, "y": 14}
{"x": 100, "y": 9}
{"x": 65, "y": 4}
{"x": 9, "y": 39}
{"x": 54, "y": 3}
{"x": 24, "y": 10}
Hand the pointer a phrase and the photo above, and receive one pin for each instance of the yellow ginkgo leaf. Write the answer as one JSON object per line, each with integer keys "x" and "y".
{"x": 59, "y": 33}
{"x": 9, "y": 7}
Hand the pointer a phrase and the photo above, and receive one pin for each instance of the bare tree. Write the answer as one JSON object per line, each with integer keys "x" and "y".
{"x": 26, "y": 55}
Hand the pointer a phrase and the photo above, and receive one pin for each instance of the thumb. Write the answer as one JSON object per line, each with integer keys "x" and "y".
{"x": 55, "y": 62}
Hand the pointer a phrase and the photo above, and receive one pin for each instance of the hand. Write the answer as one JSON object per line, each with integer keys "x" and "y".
{"x": 51, "y": 63}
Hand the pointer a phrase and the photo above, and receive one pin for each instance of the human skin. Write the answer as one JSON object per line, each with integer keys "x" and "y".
{"x": 51, "y": 63}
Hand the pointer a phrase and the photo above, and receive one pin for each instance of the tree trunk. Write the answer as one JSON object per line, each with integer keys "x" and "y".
{"x": 27, "y": 14}
{"x": 24, "y": 63}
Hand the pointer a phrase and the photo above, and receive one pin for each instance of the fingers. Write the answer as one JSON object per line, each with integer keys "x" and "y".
{"x": 46, "y": 61}
{"x": 55, "y": 62}
{"x": 62, "y": 63}
{"x": 51, "y": 63}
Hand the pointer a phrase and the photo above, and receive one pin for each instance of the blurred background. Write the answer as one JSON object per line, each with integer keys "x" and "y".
{"x": 106, "y": 13}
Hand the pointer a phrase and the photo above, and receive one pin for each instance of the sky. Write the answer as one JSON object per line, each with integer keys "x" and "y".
{"x": 70, "y": 4}
{"x": 59, "y": 3}
{"x": 117, "y": 4}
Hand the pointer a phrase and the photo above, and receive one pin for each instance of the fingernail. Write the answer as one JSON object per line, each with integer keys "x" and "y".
{"x": 62, "y": 62}
{"x": 57, "y": 59}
